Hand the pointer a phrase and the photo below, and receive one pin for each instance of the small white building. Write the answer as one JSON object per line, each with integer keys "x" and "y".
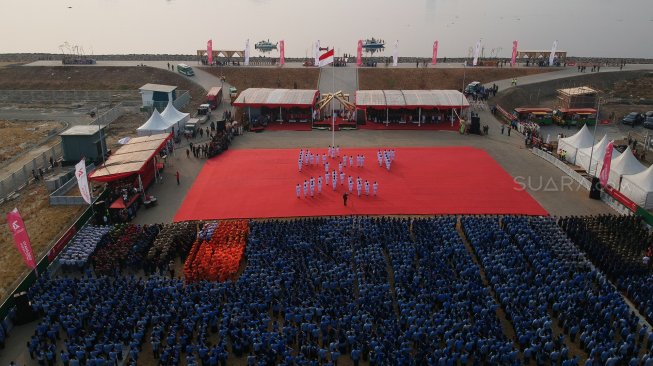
{"x": 157, "y": 95}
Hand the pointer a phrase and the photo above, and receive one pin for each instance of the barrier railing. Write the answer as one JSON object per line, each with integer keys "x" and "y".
{"x": 564, "y": 167}
{"x": 20, "y": 178}
{"x": 65, "y": 96}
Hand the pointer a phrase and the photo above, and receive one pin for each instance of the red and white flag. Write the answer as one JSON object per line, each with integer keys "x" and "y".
{"x": 209, "y": 51}
{"x": 282, "y": 52}
{"x": 359, "y": 53}
{"x": 513, "y": 60}
{"x": 21, "y": 239}
{"x": 434, "y": 60}
{"x": 605, "y": 170}
{"x": 82, "y": 181}
{"x": 326, "y": 58}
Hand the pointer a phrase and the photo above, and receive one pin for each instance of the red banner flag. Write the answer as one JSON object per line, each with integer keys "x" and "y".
{"x": 17, "y": 228}
{"x": 607, "y": 159}
{"x": 209, "y": 51}
{"x": 435, "y": 53}
{"x": 359, "y": 53}
{"x": 514, "y": 54}
{"x": 282, "y": 52}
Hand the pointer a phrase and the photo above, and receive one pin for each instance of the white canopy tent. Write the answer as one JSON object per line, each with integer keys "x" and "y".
{"x": 639, "y": 188}
{"x": 155, "y": 125}
{"x": 596, "y": 154}
{"x": 572, "y": 144}
{"x": 625, "y": 164}
{"x": 175, "y": 117}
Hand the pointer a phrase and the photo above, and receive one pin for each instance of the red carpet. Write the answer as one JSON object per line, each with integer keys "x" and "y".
{"x": 444, "y": 126}
{"x": 261, "y": 183}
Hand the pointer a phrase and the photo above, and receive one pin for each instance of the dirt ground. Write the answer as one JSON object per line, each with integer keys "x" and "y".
{"x": 18, "y": 137}
{"x": 382, "y": 78}
{"x": 44, "y": 223}
{"x": 124, "y": 126}
{"x": 243, "y": 77}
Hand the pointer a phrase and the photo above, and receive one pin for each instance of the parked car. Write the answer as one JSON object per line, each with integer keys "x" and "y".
{"x": 648, "y": 114}
{"x": 648, "y": 123}
{"x": 633, "y": 118}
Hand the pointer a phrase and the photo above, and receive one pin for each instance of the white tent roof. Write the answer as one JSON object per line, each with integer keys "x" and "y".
{"x": 410, "y": 99}
{"x": 596, "y": 153}
{"x": 156, "y": 123}
{"x": 625, "y": 164}
{"x": 572, "y": 144}
{"x": 172, "y": 115}
{"x": 581, "y": 139}
{"x": 639, "y": 188}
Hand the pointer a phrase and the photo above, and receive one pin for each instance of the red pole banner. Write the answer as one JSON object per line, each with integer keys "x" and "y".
{"x": 435, "y": 53}
{"x": 282, "y": 52}
{"x": 17, "y": 228}
{"x": 607, "y": 159}
{"x": 359, "y": 53}
{"x": 209, "y": 51}
{"x": 514, "y": 54}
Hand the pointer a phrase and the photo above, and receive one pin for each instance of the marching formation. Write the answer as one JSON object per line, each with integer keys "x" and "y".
{"x": 334, "y": 172}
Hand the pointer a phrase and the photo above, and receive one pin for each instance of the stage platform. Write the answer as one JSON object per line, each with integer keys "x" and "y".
{"x": 260, "y": 183}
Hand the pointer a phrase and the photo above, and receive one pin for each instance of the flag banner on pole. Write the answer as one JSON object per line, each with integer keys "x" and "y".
{"x": 247, "y": 53}
{"x": 209, "y": 51}
{"x": 326, "y": 58}
{"x": 317, "y": 53}
{"x": 21, "y": 239}
{"x": 513, "y": 60}
{"x": 553, "y": 52}
{"x": 605, "y": 170}
{"x": 282, "y": 52}
{"x": 359, "y": 53}
{"x": 434, "y": 60}
{"x": 395, "y": 54}
{"x": 477, "y": 52}
{"x": 82, "y": 181}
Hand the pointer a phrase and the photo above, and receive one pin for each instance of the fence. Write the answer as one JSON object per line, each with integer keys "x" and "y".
{"x": 23, "y": 176}
{"x": 59, "y": 198}
{"x": 110, "y": 115}
{"x": 65, "y": 96}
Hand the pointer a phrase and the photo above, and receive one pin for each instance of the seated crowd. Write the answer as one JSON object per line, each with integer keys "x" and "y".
{"x": 319, "y": 291}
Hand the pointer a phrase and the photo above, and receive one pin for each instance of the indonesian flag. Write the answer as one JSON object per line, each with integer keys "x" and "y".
{"x": 477, "y": 53}
{"x": 209, "y": 51}
{"x": 359, "y": 53}
{"x": 605, "y": 170}
{"x": 282, "y": 52}
{"x": 326, "y": 58}
{"x": 247, "y": 53}
{"x": 434, "y": 60}
{"x": 553, "y": 52}
{"x": 513, "y": 60}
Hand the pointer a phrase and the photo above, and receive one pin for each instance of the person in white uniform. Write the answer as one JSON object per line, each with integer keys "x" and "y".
{"x": 375, "y": 187}
{"x": 312, "y": 186}
{"x": 305, "y": 188}
{"x": 319, "y": 184}
{"x": 367, "y": 188}
{"x": 359, "y": 187}
{"x": 351, "y": 184}
{"x": 342, "y": 178}
{"x": 298, "y": 190}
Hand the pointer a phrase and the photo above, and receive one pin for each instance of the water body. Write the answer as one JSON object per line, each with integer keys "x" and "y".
{"x": 605, "y": 28}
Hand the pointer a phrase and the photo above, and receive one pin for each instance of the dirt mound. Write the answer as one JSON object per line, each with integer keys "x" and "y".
{"x": 254, "y": 77}
{"x": 446, "y": 78}
{"x": 18, "y": 137}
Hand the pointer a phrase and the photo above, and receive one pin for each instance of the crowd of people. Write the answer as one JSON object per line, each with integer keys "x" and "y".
{"x": 312, "y": 185}
{"x": 384, "y": 291}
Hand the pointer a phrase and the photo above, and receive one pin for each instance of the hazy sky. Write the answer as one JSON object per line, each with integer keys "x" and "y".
{"x": 582, "y": 27}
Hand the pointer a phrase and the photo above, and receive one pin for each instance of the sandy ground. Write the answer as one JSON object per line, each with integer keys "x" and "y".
{"x": 19, "y": 137}
{"x": 44, "y": 223}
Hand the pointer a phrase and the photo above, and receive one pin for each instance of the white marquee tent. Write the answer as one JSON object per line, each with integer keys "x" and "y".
{"x": 155, "y": 125}
{"x": 625, "y": 164}
{"x": 572, "y": 144}
{"x": 175, "y": 117}
{"x": 639, "y": 188}
{"x": 596, "y": 154}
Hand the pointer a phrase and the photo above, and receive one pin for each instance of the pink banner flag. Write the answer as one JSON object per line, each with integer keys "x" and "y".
{"x": 607, "y": 159}
{"x": 282, "y": 52}
{"x": 434, "y": 60}
{"x": 514, "y": 54}
{"x": 17, "y": 228}
{"x": 359, "y": 53}
{"x": 209, "y": 51}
